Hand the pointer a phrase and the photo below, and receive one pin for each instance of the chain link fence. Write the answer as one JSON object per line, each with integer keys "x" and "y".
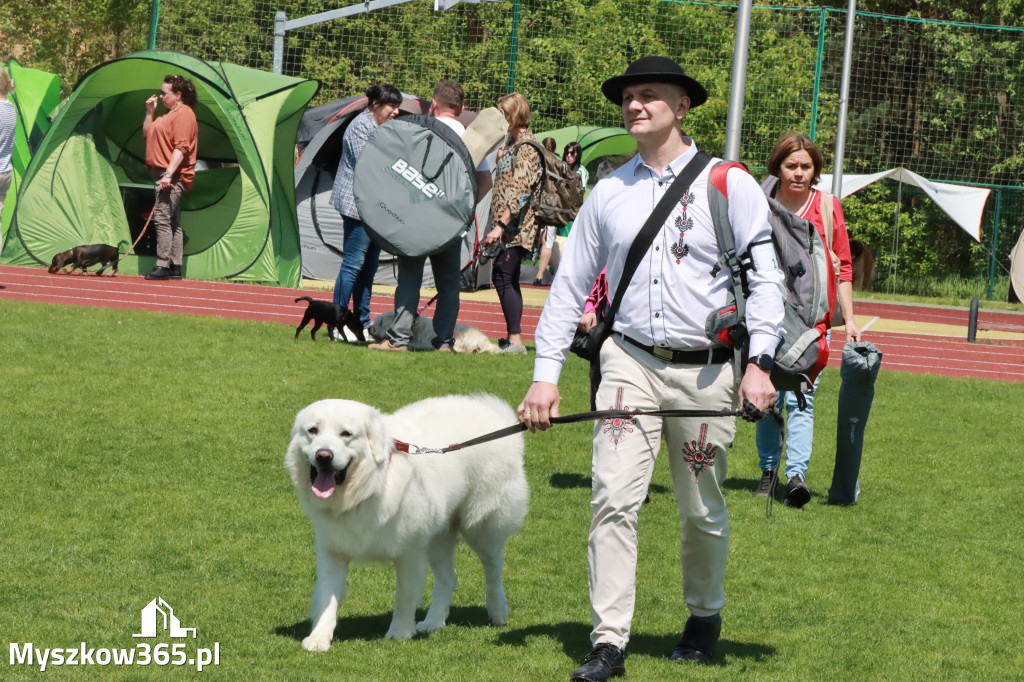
{"x": 942, "y": 99}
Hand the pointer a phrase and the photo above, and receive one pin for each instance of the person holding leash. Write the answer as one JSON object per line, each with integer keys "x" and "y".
{"x": 514, "y": 227}
{"x": 659, "y": 356}
{"x": 447, "y": 105}
{"x": 172, "y": 141}
{"x": 359, "y": 254}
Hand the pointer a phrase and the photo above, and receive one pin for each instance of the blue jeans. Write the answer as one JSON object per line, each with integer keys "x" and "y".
{"x": 445, "y": 265}
{"x": 358, "y": 266}
{"x": 799, "y": 434}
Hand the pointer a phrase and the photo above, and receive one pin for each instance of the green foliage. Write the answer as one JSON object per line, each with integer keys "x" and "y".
{"x": 69, "y": 38}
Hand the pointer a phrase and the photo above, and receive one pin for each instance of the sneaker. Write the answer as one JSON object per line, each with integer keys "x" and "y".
{"x": 387, "y": 345}
{"x": 445, "y": 349}
{"x": 700, "y": 634}
{"x": 175, "y": 271}
{"x": 348, "y": 335}
{"x": 604, "y": 662}
{"x": 337, "y": 335}
{"x": 767, "y": 483}
{"x": 797, "y": 492}
{"x": 159, "y": 272}
{"x": 514, "y": 348}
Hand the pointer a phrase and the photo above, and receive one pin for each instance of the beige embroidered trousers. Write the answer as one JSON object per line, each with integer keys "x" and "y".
{"x": 624, "y": 455}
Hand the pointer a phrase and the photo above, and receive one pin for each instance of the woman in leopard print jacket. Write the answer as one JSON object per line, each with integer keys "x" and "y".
{"x": 512, "y": 215}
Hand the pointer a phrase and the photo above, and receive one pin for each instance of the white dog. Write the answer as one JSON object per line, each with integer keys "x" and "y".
{"x": 467, "y": 339}
{"x": 370, "y": 501}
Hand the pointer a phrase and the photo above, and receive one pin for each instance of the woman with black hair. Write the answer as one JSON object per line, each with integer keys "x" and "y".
{"x": 359, "y": 254}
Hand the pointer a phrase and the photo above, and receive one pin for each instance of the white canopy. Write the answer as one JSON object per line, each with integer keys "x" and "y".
{"x": 963, "y": 204}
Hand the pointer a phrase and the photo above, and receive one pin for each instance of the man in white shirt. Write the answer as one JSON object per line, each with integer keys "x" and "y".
{"x": 446, "y": 105}
{"x": 659, "y": 357}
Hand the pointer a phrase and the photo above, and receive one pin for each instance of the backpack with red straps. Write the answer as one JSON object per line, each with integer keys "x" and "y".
{"x": 809, "y": 281}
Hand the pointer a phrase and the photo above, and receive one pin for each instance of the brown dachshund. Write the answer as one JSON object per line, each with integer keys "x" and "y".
{"x": 330, "y": 314}
{"x": 84, "y": 257}
{"x": 863, "y": 265}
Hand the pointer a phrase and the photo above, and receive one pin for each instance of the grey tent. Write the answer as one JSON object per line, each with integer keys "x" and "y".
{"x": 321, "y": 236}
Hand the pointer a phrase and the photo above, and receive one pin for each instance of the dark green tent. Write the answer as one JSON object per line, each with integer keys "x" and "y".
{"x": 87, "y": 182}
{"x": 35, "y": 96}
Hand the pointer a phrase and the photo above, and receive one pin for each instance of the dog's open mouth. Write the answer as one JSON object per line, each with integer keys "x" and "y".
{"x": 324, "y": 480}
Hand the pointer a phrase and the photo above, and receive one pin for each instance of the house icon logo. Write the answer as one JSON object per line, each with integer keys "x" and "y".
{"x": 158, "y": 611}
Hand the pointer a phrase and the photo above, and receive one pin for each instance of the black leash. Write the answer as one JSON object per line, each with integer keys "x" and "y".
{"x": 749, "y": 413}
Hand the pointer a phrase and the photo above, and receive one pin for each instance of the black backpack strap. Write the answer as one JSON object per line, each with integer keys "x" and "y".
{"x": 654, "y": 223}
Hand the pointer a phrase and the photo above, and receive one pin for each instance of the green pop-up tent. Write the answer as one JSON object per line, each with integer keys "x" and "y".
{"x": 36, "y": 95}
{"x": 87, "y": 182}
{"x": 597, "y": 143}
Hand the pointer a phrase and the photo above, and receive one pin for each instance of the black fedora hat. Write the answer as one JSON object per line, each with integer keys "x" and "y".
{"x": 654, "y": 70}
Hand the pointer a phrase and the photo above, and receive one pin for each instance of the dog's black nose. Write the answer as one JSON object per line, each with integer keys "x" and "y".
{"x": 324, "y": 456}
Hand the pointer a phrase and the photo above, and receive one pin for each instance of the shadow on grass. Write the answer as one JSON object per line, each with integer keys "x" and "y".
{"x": 566, "y": 480}
{"x": 370, "y": 628}
{"x": 575, "y": 641}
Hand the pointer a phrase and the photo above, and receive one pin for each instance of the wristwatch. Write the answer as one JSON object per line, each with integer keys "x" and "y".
{"x": 765, "y": 362}
{"x": 168, "y": 175}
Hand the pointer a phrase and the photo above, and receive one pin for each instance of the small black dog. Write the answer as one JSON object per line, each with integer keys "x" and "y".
{"x": 84, "y": 257}
{"x": 330, "y": 314}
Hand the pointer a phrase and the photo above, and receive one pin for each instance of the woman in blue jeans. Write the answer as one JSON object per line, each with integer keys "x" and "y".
{"x": 359, "y": 253}
{"x": 796, "y": 161}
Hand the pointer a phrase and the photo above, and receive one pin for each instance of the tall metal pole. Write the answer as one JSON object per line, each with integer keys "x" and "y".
{"x": 513, "y": 49}
{"x": 154, "y": 21}
{"x": 844, "y": 100}
{"x": 995, "y": 247}
{"x": 279, "y": 30}
{"x": 734, "y": 121}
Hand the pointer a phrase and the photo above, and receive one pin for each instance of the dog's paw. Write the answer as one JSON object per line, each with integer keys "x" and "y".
{"x": 497, "y": 610}
{"x": 427, "y": 626}
{"x": 399, "y": 633}
{"x": 316, "y": 643}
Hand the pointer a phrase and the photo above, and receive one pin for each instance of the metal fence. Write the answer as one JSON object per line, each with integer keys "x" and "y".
{"x": 941, "y": 99}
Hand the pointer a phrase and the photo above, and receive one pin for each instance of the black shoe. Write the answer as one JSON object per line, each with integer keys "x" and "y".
{"x": 797, "y": 492}
{"x": 159, "y": 272}
{"x": 767, "y": 485}
{"x": 175, "y": 272}
{"x": 700, "y": 634}
{"x": 604, "y": 662}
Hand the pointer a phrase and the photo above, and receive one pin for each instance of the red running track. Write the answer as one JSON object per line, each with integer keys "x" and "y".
{"x": 916, "y": 353}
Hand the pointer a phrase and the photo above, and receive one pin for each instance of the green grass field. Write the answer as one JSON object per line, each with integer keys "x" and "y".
{"x": 142, "y": 456}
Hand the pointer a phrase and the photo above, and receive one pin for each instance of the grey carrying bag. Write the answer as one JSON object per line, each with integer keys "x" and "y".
{"x": 861, "y": 362}
{"x": 415, "y": 186}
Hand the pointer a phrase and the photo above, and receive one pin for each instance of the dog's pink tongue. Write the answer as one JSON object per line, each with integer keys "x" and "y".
{"x": 323, "y": 486}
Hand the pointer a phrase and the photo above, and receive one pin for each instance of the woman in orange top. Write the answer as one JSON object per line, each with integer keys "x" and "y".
{"x": 171, "y": 144}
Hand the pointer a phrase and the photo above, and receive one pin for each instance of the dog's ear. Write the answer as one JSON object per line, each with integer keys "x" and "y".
{"x": 378, "y": 437}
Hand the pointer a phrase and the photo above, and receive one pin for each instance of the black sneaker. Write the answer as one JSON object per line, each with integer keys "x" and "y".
{"x": 604, "y": 662}
{"x": 175, "y": 272}
{"x": 700, "y": 634}
{"x": 797, "y": 492}
{"x": 767, "y": 484}
{"x": 159, "y": 272}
